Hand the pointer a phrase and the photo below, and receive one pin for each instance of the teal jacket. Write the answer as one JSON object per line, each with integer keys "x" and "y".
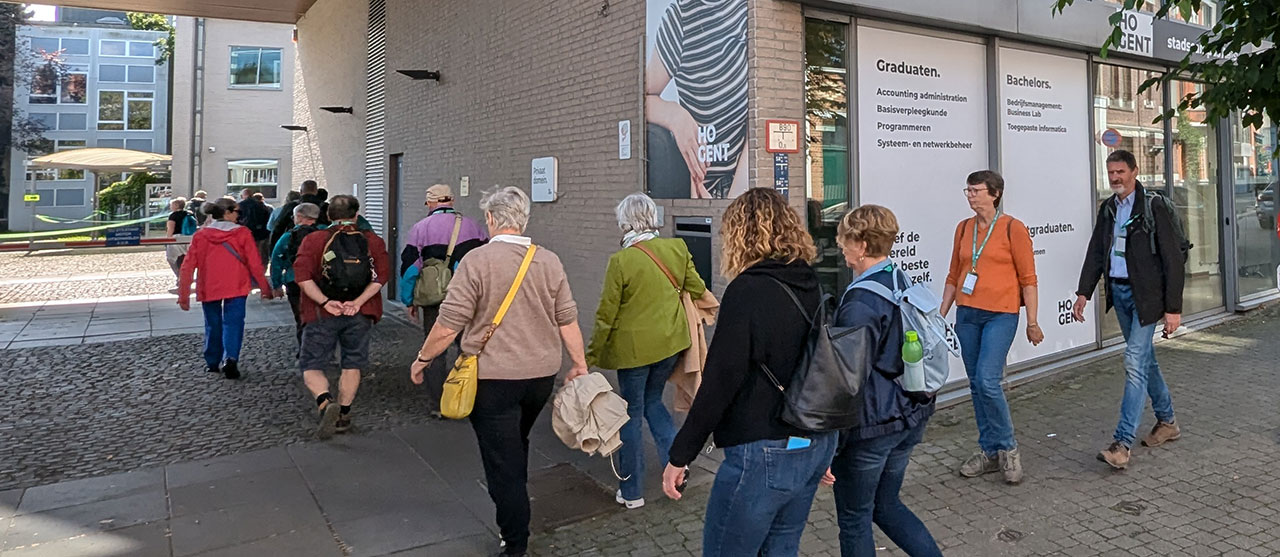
{"x": 640, "y": 320}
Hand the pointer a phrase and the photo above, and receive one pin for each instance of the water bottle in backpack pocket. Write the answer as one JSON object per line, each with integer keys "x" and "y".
{"x": 921, "y": 315}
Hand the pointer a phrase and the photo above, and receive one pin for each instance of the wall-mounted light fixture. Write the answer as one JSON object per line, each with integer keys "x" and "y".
{"x": 294, "y": 128}
{"x": 337, "y": 109}
{"x": 419, "y": 75}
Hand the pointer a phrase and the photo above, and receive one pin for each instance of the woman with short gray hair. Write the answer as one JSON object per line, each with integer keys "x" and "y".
{"x": 641, "y": 328}
{"x": 506, "y": 208}
{"x": 520, "y": 359}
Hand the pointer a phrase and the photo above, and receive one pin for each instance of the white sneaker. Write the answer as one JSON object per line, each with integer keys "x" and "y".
{"x": 629, "y": 504}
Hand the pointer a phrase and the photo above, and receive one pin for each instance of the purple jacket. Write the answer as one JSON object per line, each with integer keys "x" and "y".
{"x": 429, "y": 238}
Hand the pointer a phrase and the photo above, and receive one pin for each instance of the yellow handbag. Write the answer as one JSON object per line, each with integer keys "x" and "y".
{"x": 460, "y": 388}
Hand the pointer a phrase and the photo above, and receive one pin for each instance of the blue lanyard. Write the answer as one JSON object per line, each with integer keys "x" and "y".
{"x": 976, "y": 250}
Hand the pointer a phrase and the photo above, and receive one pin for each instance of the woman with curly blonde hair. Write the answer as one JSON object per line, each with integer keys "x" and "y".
{"x": 756, "y": 508}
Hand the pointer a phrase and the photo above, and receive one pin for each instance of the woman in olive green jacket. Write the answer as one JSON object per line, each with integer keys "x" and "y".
{"x": 641, "y": 329}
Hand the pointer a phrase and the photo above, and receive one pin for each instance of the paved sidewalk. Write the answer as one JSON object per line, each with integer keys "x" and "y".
{"x": 116, "y": 318}
{"x": 416, "y": 488}
{"x": 403, "y": 492}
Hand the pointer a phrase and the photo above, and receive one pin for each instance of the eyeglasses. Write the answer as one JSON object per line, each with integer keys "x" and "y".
{"x": 973, "y": 192}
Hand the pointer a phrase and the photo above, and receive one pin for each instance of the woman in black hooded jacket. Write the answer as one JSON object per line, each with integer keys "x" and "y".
{"x": 760, "y": 500}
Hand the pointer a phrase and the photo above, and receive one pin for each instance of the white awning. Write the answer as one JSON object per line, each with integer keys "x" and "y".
{"x": 100, "y": 159}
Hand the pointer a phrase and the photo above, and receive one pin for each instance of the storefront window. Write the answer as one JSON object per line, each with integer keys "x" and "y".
{"x": 1123, "y": 118}
{"x": 1253, "y": 152}
{"x": 827, "y": 147}
{"x": 1195, "y": 196}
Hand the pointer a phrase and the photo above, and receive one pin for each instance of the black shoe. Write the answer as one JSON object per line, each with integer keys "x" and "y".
{"x": 214, "y": 369}
{"x": 343, "y": 424}
{"x": 231, "y": 370}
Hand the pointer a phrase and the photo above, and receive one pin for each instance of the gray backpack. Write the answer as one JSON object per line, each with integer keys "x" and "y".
{"x": 920, "y": 313}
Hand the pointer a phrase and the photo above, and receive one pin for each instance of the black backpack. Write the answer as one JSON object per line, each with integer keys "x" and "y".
{"x": 346, "y": 267}
{"x": 825, "y": 393}
{"x": 1154, "y": 198}
{"x": 296, "y": 235}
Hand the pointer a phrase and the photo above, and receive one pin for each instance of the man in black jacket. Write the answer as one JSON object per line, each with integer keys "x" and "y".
{"x": 1143, "y": 285}
{"x": 254, "y": 215}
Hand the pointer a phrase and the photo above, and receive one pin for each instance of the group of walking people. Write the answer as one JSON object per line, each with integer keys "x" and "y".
{"x": 488, "y": 290}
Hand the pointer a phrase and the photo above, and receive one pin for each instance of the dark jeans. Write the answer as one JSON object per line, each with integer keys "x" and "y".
{"x": 642, "y": 388}
{"x": 760, "y": 500}
{"x": 985, "y": 338}
{"x": 223, "y": 330}
{"x": 869, "y": 476}
{"x": 504, "y": 413}
{"x": 438, "y": 371}
{"x": 294, "y": 293}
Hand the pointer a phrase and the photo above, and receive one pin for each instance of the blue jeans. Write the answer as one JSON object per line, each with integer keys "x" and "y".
{"x": 642, "y": 388}
{"x": 760, "y": 500}
{"x": 985, "y": 338}
{"x": 869, "y": 476}
{"x": 1142, "y": 374}
{"x": 223, "y": 330}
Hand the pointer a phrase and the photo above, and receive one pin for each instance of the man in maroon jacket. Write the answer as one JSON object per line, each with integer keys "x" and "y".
{"x": 332, "y": 314}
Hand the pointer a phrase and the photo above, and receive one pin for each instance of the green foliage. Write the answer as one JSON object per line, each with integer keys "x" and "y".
{"x": 1248, "y": 82}
{"x": 127, "y": 196}
{"x": 155, "y": 22}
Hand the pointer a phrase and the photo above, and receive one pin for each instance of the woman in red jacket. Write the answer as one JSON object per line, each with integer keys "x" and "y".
{"x": 227, "y": 258}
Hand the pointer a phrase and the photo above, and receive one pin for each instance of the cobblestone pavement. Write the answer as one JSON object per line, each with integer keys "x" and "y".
{"x": 80, "y": 262}
{"x": 88, "y": 410}
{"x": 1216, "y": 491}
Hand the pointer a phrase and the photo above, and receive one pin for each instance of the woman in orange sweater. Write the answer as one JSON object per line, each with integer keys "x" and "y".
{"x": 993, "y": 272}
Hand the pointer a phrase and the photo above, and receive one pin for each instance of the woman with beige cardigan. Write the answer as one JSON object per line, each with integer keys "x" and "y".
{"x": 519, "y": 363}
{"x": 641, "y": 328}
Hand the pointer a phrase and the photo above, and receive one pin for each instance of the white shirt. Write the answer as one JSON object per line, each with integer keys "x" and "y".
{"x": 1124, "y": 210}
{"x": 512, "y": 239}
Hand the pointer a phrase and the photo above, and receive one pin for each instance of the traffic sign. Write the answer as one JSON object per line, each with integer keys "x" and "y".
{"x": 1111, "y": 138}
{"x": 31, "y": 198}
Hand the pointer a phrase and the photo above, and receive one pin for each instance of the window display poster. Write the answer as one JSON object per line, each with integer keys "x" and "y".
{"x": 696, "y": 98}
{"x": 922, "y": 128}
{"x": 1044, "y": 116}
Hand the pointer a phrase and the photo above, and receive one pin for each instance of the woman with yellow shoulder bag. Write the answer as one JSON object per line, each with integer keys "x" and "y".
{"x": 511, "y": 302}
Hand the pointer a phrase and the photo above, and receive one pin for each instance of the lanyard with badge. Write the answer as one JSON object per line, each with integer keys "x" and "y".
{"x": 1121, "y": 239}
{"x": 971, "y": 279}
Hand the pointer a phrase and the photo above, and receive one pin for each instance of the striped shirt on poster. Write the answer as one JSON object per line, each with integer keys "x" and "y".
{"x": 703, "y": 45}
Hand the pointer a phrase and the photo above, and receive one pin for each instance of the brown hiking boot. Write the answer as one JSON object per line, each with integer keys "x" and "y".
{"x": 1011, "y": 465}
{"x": 1116, "y": 454}
{"x": 1161, "y": 433}
{"x": 979, "y": 464}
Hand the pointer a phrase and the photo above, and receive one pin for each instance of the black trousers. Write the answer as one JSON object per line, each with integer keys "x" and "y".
{"x": 438, "y": 371}
{"x": 294, "y": 292}
{"x": 504, "y": 414}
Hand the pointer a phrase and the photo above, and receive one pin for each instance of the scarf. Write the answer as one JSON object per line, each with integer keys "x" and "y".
{"x": 632, "y": 238}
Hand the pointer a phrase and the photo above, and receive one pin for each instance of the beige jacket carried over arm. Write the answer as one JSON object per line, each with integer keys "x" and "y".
{"x": 687, "y": 376}
{"x": 588, "y": 415}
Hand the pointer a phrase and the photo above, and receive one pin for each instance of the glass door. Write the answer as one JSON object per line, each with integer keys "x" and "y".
{"x": 1254, "y": 192}
{"x": 1123, "y": 121}
{"x": 827, "y": 154}
{"x": 1195, "y": 197}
